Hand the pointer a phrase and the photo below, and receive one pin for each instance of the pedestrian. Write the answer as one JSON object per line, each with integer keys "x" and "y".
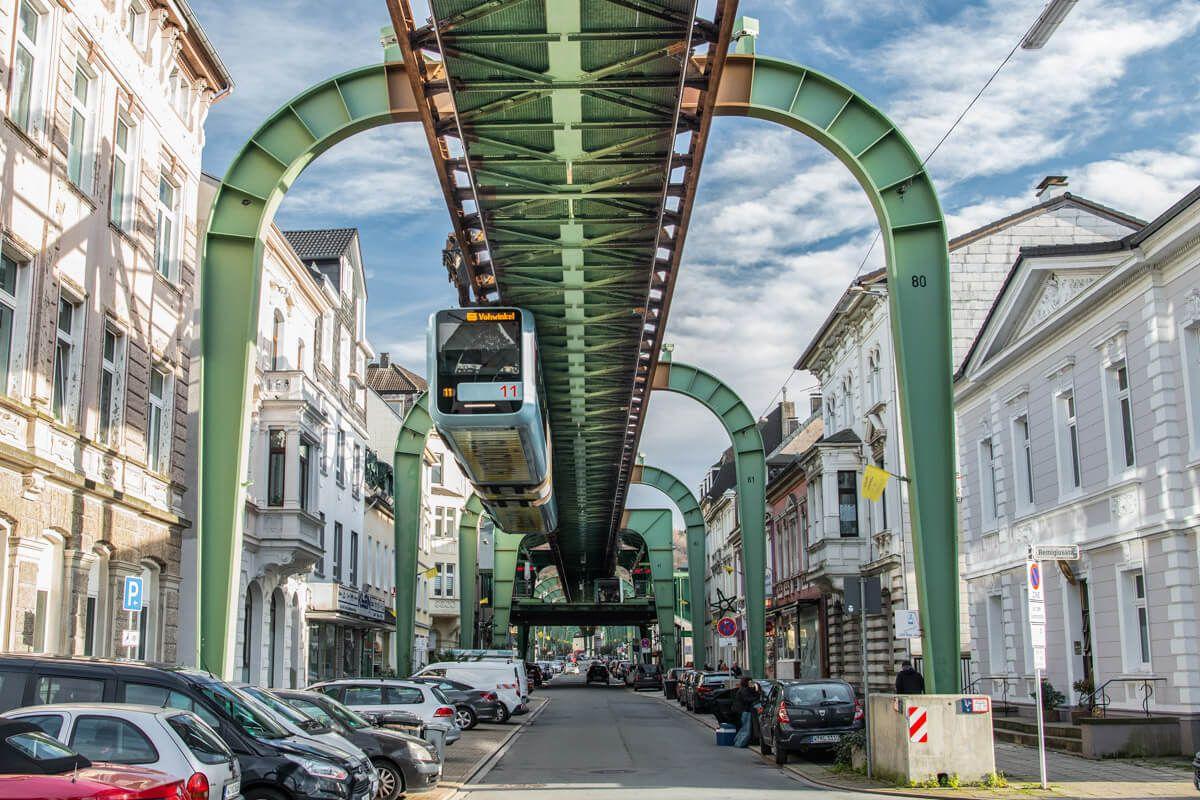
{"x": 736, "y": 671}
{"x": 721, "y": 667}
{"x": 909, "y": 681}
{"x": 707, "y": 667}
{"x": 744, "y": 700}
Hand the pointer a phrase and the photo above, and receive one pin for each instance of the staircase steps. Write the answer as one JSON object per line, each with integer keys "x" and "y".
{"x": 1062, "y": 737}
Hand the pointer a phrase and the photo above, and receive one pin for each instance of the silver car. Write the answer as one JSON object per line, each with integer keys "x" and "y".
{"x": 176, "y": 742}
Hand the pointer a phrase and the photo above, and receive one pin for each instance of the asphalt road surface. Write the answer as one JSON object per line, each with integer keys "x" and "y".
{"x": 611, "y": 743}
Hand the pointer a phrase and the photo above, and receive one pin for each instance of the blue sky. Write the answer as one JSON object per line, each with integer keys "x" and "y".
{"x": 779, "y": 227}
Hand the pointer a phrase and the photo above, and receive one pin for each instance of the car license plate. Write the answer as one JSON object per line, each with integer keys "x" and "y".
{"x": 232, "y": 790}
{"x": 824, "y": 738}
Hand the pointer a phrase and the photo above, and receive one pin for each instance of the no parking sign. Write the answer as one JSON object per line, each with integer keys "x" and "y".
{"x": 727, "y": 627}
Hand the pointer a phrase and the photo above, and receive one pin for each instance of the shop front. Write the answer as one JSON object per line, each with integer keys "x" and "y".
{"x": 794, "y": 634}
{"x": 349, "y": 633}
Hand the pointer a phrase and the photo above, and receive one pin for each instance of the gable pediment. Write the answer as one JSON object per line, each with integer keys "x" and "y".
{"x": 1057, "y": 289}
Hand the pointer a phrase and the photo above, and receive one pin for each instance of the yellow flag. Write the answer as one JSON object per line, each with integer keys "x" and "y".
{"x": 430, "y": 573}
{"x": 874, "y": 481}
{"x": 483, "y": 601}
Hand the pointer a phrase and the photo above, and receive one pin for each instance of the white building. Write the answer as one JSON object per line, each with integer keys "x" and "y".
{"x": 104, "y": 106}
{"x": 851, "y": 356}
{"x": 1078, "y": 410}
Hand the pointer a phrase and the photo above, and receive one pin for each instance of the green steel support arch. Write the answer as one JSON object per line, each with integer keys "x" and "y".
{"x": 750, "y": 463}
{"x": 406, "y": 483}
{"x": 918, "y": 277}
{"x": 656, "y": 527}
{"x": 231, "y": 274}
{"x": 504, "y": 575}
{"x": 693, "y": 521}
{"x": 468, "y": 570}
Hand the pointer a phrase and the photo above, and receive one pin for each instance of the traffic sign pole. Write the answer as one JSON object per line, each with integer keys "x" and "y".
{"x": 1036, "y": 613}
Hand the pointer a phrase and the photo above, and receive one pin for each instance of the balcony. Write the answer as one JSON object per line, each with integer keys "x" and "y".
{"x": 836, "y": 557}
{"x": 288, "y": 540}
{"x": 291, "y": 386}
{"x": 444, "y": 606}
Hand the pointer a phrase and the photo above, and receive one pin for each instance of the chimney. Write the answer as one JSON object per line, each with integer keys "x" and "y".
{"x": 1052, "y": 186}
{"x": 384, "y": 360}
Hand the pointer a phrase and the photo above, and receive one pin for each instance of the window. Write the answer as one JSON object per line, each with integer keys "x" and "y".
{"x": 1191, "y": 361}
{"x": 53, "y": 689}
{"x": 12, "y": 272}
{"x": 354, "y": 558}
{"x": 276, "y": 460}
{"x": 157, "y": 440}
{"x": 135, "y": 23}
{"x": 363, "y": 696}
{"x": 148, "y": 617}
{"x": 182, "y": 96}
{"x": 124, "y": 174}
{"x": 165, "y": 242}
{"x": 987, "y": 482}
{"x": 1137, "y": 621}
{"x": 319, "y": 569}
{"x": 437, "y": 471}
{"x": 444, "y": 522}
{"x": 847, "y": 502}
{"x": 443, "y": 583}
{"x": 1068, "y": 442}
{"x": 337, "y": 551}
{"x": 65, "y": 386}
{"x": 112, "y": 740}
{"x": 1120, "y": 417}
{"x": 305, "y": 473}
{"x": 995, "y": 632}
{"x": 356, "y": 485}
{"x": 1023, "y": 455}
{"x": 277, "y": 341}
{"x": 404, "y": 696}
{"x": 50, "y": 723}
{"x": 199, "y": 740}
{"x": 79, "y": 145}
{"x": 27, "y": 104}
{"x": 111, "y": 369}
{"x": 340, "y": 459}
{"x": 876, "y": 376}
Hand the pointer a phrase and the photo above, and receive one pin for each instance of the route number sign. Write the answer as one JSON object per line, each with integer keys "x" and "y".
{"x": 727, "y": 626}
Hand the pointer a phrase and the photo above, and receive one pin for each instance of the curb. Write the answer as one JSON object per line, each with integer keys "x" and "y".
{"x": 484, "y": 765}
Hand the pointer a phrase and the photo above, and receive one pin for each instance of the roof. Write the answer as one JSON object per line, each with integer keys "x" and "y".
{"x": 1129, "y": 242}
{"x": 844, "y": 436}
{"x": 394, "y": 379}
{"x": 879, "y": 275}
{"x": 1064, "y": 199}
{"x": 321, "y": 243}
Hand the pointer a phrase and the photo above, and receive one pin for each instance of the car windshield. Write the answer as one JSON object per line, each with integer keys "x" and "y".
{"x": 813, "y": 694}
{"x": 293, "y": 715}
{"x": 251, "y": 717}
{"x": 351, "y": 719}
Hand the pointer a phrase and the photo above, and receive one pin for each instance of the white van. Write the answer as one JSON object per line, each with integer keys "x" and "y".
{"x": 506, "y": 678}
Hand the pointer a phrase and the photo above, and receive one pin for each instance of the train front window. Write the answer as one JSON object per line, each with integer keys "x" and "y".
{"x": 479, "y": 347}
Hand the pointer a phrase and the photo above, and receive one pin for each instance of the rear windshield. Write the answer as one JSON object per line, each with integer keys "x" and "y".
{"x": 649, "y": 669}
{"x": 439, "y": 695}
{"x": 719, "y": 678}
{"x": 812, "y": 694}
{"x": 200, "y": 740}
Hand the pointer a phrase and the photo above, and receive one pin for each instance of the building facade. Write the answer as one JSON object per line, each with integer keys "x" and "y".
{"x": 103, "y": 130}
{"x": 1078, "y": 410}
{"x": 851, "y": 356}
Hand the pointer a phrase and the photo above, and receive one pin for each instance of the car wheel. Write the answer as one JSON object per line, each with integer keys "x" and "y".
{"x": 503, "y": 714}
{"x": 766, "y": 748}
{"x": 391, "y": 781}
{"x": 465, "y": 717}
{"x": 262, "y": 793}
{"x": 781, "y": 756}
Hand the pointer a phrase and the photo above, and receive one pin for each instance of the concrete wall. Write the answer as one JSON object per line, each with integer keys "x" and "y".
{"x": 959, "y": 744}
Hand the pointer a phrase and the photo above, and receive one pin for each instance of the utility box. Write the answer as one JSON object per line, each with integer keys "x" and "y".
{"x": 926, "y": 736}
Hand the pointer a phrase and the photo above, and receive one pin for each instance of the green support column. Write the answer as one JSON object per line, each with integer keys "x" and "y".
{"x": 523, "y": 642}
{"x": 750, "y": 464}
{"x": 693, "y": 521}
{"x": 230, "y": 278}
{"x": 406, "y": 481}
{"x": 656, "y": 528}
{"x": 504, "y": 573}
{"x": 468, "y": 569}
{"x": 913, "y": 234}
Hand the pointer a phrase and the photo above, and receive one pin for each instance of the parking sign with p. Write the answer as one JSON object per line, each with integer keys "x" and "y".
{"x": 133, "y": 594}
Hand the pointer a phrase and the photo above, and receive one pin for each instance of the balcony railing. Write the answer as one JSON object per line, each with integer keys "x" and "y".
{"x": 290, "y": 385}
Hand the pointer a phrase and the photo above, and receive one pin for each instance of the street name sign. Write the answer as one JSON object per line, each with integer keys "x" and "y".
{"x": 1056, "y": 552}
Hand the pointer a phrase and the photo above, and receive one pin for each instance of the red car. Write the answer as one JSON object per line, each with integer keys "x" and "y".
{"x": 34, "y": 764}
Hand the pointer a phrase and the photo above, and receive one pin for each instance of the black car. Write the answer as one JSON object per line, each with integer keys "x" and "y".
{"x": 470, "y": 704}
{"x": 406, "y": 764}
{"x": 807, "y": 715}
{"x": 703, "y": 687}
{"x": 535, "y": 674}
{"x": 597, "y": 673}
{"x": 644, "y": 676}
{"x": 274, "y": 764}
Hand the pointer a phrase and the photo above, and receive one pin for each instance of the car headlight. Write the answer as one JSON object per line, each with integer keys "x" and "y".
{"x": 318, "y": 769}
{"x": 419, "y": 752}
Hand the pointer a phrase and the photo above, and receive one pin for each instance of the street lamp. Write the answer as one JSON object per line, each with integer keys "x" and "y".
{"x": 1052, "y": 16}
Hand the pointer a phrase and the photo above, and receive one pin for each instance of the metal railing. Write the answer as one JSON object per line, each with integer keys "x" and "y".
{"x": 994, "y": 679}
{"x": 1100, "y": 699}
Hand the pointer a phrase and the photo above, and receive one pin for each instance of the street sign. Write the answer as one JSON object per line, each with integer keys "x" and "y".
{"x": 975, "y": 705}
{"x": 727, "y": 641}
{"x": 1056, "y": 552}
{"x": 908, "y": 624}
{"x": 132, "y": 599}
{"x": 130, "y": 638}
{"x": 861, "y": 592}
{"x": 1033, "y": 577}
{"x": 727, "y": 627}
{"x": 645, "y": 644}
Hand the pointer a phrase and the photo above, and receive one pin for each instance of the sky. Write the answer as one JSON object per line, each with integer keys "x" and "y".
{"x": 779, "y": 227}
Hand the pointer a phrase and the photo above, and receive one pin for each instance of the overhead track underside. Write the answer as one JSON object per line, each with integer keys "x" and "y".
{"x": 570, "y": 169}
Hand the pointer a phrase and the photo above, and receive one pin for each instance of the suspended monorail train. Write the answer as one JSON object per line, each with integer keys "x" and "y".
{"x": 486, "y": 401}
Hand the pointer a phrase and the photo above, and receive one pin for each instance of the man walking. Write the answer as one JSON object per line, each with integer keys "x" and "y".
{"x": 744, "y": 700}
{"x": 909, "y": 681}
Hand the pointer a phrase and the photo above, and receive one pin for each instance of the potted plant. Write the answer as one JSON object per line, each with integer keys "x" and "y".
{"x": 1086, "y": 689}
{"x": 1051, "y": 699}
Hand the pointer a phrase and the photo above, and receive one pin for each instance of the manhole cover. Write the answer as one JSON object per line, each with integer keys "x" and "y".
{"x": 610, "y": 771}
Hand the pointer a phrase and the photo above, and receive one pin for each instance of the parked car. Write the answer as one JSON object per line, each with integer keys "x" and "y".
{"x": 536, "y": 676}
{"x": 571, "y": 669}
{"x": 470, "y": 704}
{"x": 644, "y": 676}
{"x": 700, "y": 693}
{"x": 502, "y": 677}
{"x": 377, "y": 697}
{"x": 671, "y": 682}
{"x": 685, "y": 683}
{"x": 597, "y": 673}
{"x": 33, "y": 764}
{"x": 406, "y": 764}
{"x": 722, "y": 706}
{"x": 171, "y": 741}
{"x": 275, "y": 765}
{"x": 807, "y": 715}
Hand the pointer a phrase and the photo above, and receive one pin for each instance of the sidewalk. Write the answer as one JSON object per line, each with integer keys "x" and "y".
{"x": 1069, "y": 776}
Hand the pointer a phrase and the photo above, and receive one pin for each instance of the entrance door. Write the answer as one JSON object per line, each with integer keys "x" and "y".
{"x": 1085, "y": 630}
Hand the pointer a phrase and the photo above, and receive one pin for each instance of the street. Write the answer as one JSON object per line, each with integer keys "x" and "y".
{"x": 612, "y": 743}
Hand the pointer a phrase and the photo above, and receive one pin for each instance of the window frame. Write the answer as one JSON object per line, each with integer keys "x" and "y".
{"x": 158, "y": 443}
{"x": 1190, "y": 356}
{"x": 1118, "y": 418}
{"x": 112, "y": 718}
{"x": 65, "y": 409}
{"x": 17, "y": 304}
{"x": 850, "y": 489}
{"x": 172, "y": 213}
{"x": 136, "y": 18}
{"x": 112, "y": 371}
{"x": 34, "y": 125}
{"x": 337, "y": 552}
{"x": 81, "y": 155}
{"x": 1066, "y": 434}
{"x": 276, "y": 467}
{"x": 989, "y": 490}
{"x": 1022, "y": 450}
{"x": 1137, "y": 654}
{"x": 353, "y": 558}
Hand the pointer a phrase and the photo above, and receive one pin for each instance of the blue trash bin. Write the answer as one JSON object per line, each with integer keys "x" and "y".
{"x": 725, "y": 735}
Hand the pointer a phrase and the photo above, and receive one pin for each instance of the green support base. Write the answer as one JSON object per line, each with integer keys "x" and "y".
{"x": 468, "y": 568}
